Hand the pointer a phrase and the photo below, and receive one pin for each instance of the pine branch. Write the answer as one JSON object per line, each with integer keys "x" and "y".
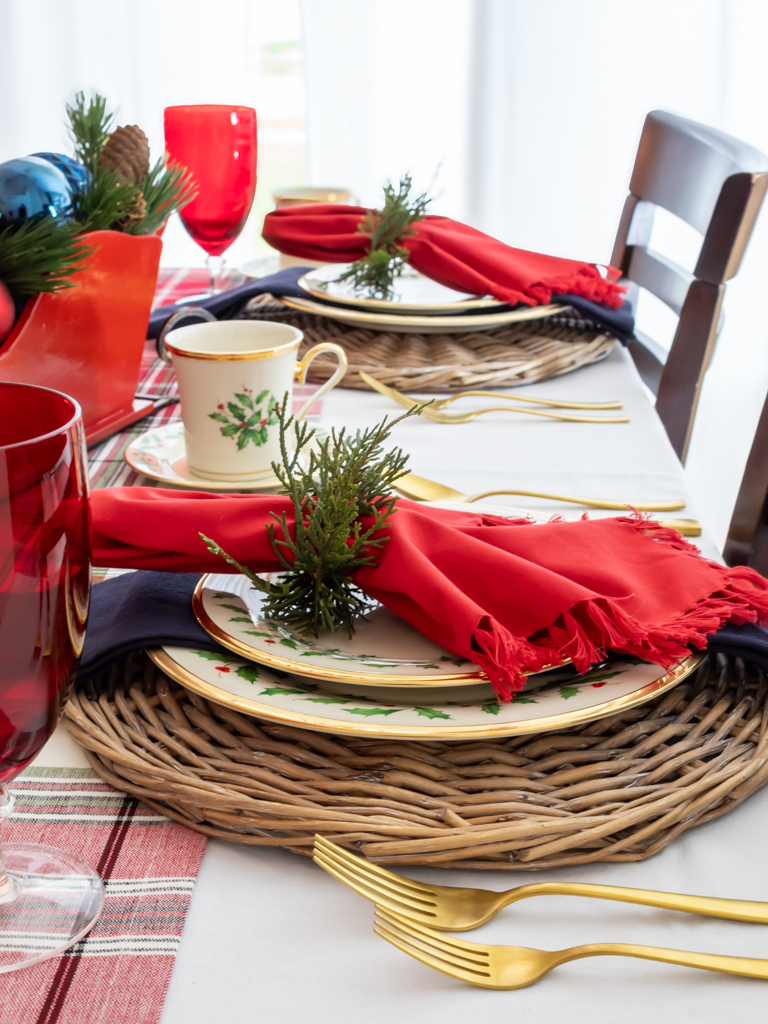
{"x": 40, "y": 256}
{"x": 103, "y": 201}
{"x": 89, "y": 127}
{"x": 167, "y": 187}
{"x": 375, "y": 273}
{"x": 345, "y": 479}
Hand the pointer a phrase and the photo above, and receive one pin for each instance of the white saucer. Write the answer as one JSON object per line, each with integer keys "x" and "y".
{"x": 161, "y": 455}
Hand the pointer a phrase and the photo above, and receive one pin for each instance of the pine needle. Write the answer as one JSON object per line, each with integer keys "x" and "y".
{"x": 89, "y": 126}
{"x": 167, "y": 187}
{"x": 40, "y": 256}
{"x": 345, "y": 479}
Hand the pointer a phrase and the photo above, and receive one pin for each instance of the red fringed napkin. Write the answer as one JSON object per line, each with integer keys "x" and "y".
{"x": 508, "y": 595}
{"x": 454, "y": 254}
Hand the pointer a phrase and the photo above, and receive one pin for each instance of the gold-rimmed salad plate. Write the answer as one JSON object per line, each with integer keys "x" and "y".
{"x": 383, "y": 650}
{"x": 547, "y": 702}
{"x": 412, "y": 292}
{"x": 409, "y": 323}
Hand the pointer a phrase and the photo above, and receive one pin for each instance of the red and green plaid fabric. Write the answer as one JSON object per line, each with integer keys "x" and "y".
{"x": 119, "y": 973}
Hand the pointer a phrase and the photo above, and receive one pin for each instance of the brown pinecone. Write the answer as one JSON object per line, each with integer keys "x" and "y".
{"x": 136, "y": 211}
{"x": 127, "y": 153}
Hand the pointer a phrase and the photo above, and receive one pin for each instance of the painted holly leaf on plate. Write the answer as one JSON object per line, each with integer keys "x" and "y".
{"x": 246, "y": 420}
{"x": 248, "y": 672}
{"x": 568, "y": 691}
{"x": 491, "y": 709}
{"x": 367, "y": 712}
{"x": 210, "y": 656}
{"x": 280, "y": 691}
{"x": 431, "y": 713}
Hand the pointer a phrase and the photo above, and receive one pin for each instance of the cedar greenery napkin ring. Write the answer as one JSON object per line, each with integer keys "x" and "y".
{"x": 346, "y": 478}
{"x": 376, "y": 272}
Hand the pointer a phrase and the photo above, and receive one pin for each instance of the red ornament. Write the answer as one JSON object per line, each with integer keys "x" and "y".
{"x": 7, "y": 312}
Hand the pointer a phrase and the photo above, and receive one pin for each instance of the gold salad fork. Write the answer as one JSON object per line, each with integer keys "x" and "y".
{"x": 431, "y": 411}
{"x": 459, "y": 910}
{"x": 509, "y": 967}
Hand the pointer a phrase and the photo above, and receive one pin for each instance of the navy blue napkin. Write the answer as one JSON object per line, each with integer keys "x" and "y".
{"x": 226, "y": 305}
{"x": 148, "y": 609}
{"x": 138, "y": 610}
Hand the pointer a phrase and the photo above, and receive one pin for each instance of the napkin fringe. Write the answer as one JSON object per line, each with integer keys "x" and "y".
{"x": 587, "y": 282}
{"x": 590, "y": 629}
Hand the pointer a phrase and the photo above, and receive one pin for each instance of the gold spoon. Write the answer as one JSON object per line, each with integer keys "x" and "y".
{"x": 431, "y": 411}
{"x": 418, "y": 488}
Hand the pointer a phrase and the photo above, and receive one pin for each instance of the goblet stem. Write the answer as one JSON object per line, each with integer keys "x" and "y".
{"x": 9, "y": 888}
{"x": 215, "y": 266}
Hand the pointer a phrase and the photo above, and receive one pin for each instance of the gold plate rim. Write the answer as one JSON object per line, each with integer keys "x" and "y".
{"x": 337, "y": 675}
{"x": 435, "y": 323}
{"x": 400, "y": 308}
{"x": 382, "y": 731}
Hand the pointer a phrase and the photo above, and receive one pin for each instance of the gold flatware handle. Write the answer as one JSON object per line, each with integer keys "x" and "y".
{"x": 433, "y": 413}
{"x": 709, "y": 906}
{"x": 646, "y": 506}
{"x": 525, "y": 398}
{"x": 746, "y": 967}
{"x": 686, "y": 527}
{"x": 454, "y": 418}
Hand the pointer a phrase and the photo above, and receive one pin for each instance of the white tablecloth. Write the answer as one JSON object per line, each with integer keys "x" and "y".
{"x": 271, "y": 938}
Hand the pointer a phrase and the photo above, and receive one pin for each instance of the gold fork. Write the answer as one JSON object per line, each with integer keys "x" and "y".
{"x": 553, "y": 403}
{"x": 430, "y": 413}
{"x": 418, "y": 488}
{"x": 459, "y": 910}
{"x": 509, "y": 967}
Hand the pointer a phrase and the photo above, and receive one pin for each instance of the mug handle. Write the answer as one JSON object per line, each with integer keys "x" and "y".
{"x": 185, "y": 313}
{"x": 303, "y": 367}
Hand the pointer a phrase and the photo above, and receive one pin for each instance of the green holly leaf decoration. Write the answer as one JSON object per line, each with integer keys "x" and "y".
{"x": 289, "y": 643}
{"x": 257, "y": 632}
{"x": 528, "y": 700}
{"x": 245, "y": 400}
{"x": 248, "y": 672}
{"x": 328, "y": 700}
{"x": 280, "y": 691}
{"x": 491, "y": 709}
{"x": 568, "y": 691}
{"x": 240, "y": 618}
{"x": 601, "y": 678}
{"x": 210, "y": 656}
{"x": 431, "y": 713}
{"x": 367, "y": 712}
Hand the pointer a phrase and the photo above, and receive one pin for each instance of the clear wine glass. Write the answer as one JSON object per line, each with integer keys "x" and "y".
{"x": 49, "y": 898}
{"x": 217, "y": 144}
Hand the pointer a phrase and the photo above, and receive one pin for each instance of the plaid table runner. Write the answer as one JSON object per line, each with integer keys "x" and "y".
{"x": 119, "y": 973}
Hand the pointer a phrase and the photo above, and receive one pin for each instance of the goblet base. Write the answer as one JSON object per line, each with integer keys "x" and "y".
{"x": 53, "y": 900}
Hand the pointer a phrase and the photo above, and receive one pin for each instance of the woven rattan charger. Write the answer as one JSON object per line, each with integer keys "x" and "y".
{"x": 619, "y": 789}
{"x": 518, "y": 354}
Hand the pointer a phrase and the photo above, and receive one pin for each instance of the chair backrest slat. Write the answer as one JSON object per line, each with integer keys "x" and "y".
{"x": 717, "y": 184}
{"x": 668, "y": 281}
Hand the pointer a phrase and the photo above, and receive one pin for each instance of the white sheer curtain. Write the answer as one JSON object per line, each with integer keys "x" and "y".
{"x": 143, "y": 56}
{"x": 553, "y": 96}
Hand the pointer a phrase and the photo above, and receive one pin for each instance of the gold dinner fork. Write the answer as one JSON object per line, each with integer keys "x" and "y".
{"x": 459, "y": 910}
{"x": 554, "y": 403}
{"x": 509, "y": 967}
{"x": 430, "y": 411}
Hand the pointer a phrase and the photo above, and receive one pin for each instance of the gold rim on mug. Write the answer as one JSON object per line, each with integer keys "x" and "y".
{"x": 384, "y": 730}
{"x": 230, "y": 357}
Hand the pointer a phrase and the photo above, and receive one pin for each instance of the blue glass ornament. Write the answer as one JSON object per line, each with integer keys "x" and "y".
{"x": 72, "y": 169}
{"x": 31, "y": 188}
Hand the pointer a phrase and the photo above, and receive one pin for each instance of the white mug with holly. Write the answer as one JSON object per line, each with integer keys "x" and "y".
{"x": 233, "y": 375}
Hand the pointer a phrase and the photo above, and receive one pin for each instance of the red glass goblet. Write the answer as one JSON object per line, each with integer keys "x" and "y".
{"x": 217, "y": 144}
{"x": 49, "y": 898}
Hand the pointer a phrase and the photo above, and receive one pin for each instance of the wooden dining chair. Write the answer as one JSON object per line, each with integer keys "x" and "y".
{"x": 747, "y": 540}
{"x": 716, "y": 184}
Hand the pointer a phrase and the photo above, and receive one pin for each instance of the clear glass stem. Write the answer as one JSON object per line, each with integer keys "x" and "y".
{"x": 215, "y": 266}
{"x": 9, "y": 889}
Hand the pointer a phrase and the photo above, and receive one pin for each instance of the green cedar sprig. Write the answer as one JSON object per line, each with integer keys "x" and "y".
{"x": 40, "y": 255}
{"x": 345, "y": 478}
{"x": 375, "y": 273}
{"x": 102, "y": 202}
